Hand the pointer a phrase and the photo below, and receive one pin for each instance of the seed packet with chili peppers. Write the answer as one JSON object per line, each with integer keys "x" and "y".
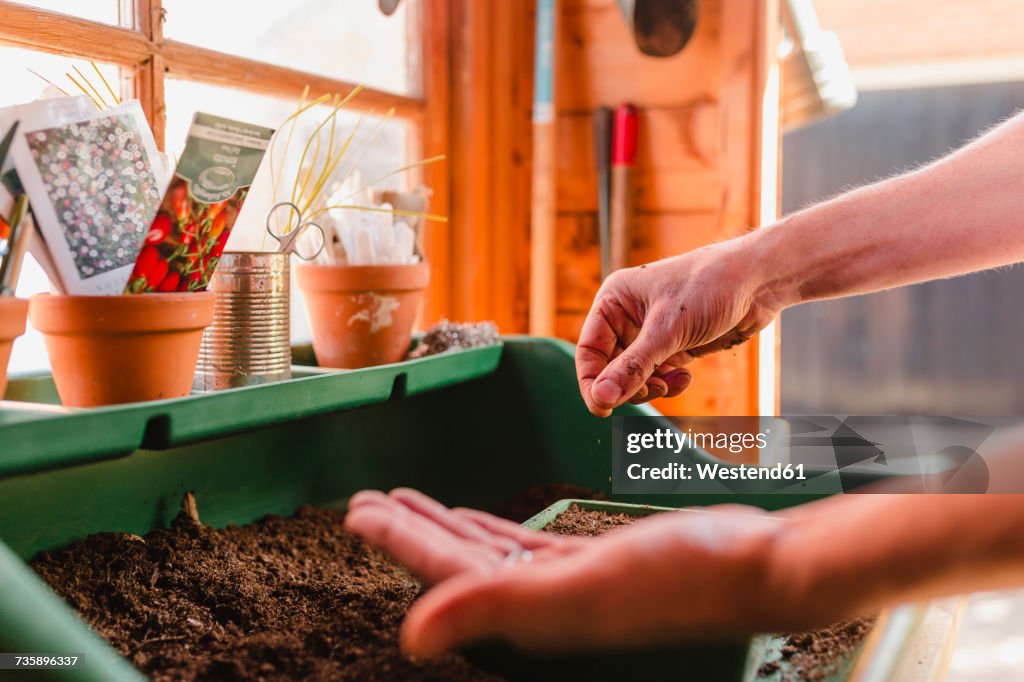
{"x": 201, "y": 205}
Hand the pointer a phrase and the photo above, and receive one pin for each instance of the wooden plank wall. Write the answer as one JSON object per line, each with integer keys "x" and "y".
{"x": 700, "y": 158}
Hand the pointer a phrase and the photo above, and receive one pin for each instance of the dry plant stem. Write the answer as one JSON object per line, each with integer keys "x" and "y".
{"x": 91, "y": 87}
{"x": 328, "y": 170}
{"x": 364, "y": 146}
{"x": 329, "y": 165}
{"x": 50, "y": 83}
{"x": 305, "y": 151}
{"x": 117, "y": 100}
{"x": 273, "y": 172}
{"x": 189, "y": 507}
{"x": 84, "y": 91}
{"x": 392, "y": 211}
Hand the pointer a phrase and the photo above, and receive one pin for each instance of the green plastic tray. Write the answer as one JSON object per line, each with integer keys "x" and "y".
{"x": 36, "y": 433}
{"x": 471, "y": 429}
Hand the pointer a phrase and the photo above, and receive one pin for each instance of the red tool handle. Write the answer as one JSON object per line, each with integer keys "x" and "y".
{"x": 625, "y": 136}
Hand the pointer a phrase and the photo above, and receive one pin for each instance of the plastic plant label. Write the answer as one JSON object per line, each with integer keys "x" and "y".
{"x": 201, "y": 205}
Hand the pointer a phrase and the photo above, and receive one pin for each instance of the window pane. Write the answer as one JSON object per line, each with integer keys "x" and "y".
{"x": 20, "y": 86}
{"x": 349, "y": 40}
{"x": 378, "y": 149}
{"x": 105, "y": 11}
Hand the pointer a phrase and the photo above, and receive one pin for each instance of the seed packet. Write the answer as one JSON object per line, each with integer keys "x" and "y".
{"x": 200, "y": 207}
{"x": 94, "y": 180}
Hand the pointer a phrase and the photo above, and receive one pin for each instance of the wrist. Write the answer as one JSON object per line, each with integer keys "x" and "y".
{"x": 775, "y": 264}
{"x": 797, "y": 575}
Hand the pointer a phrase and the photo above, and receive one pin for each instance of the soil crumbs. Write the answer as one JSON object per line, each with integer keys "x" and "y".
{"x": 816, "y": 656}
{"x": 812, "y": 656}
{"x": 281, "y": 599}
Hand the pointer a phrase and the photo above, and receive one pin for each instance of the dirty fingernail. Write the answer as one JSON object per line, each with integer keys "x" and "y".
{"x": 606, "y": 392}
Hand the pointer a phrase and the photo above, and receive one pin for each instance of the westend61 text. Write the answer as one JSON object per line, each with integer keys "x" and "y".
{"x": 716, "y": 472}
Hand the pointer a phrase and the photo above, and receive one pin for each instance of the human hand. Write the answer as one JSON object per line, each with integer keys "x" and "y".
{"x": 663, "y": 578}
{"x": 436, "y": 543}
{"x": 647, "y": 323}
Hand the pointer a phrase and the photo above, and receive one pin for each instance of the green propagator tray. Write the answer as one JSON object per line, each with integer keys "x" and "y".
{"x": 38, "y": 433}
{"x": 470, "y": 428}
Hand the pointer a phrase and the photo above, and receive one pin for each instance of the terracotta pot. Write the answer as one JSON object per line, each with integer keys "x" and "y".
{"x": 361, "y": 315}
{"x": 12, "y": 325}
{"x": 121, "y": 349}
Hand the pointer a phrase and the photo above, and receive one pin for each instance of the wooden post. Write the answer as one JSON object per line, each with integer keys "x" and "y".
{"x": 544, "y": 210}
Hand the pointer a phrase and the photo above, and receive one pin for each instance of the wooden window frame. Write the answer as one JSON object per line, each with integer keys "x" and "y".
{"x": 147, "y": 60}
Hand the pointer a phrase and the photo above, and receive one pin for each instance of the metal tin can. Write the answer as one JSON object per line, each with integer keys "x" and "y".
{"x": 249, "y": 341}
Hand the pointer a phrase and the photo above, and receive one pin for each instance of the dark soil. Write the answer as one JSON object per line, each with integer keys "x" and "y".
{"x": 816, "y": 655}
{"x": 539, "y": 497}
{"x": 299, "y": 598}
{"x": 280, "y": 599}
{"x": 576, "y": 521}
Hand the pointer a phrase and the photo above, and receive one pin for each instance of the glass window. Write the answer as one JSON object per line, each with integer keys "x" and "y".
{"x": 105, "y": 11}
{"x": 378, "y": 149}
{"x": 350, "y": 40}
{"x": 22, "y": 85}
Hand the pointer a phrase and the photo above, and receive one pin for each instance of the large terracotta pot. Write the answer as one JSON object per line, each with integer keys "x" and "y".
{"x": 361, "y": 315}
{"x": 120, "y": 349}
{"x": 12, "y": 325}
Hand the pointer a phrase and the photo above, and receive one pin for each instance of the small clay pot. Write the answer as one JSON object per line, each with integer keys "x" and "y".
{"x": 361, "y": 315}
{"x": 120, "y": 349}
{"x": 12, "y": 325}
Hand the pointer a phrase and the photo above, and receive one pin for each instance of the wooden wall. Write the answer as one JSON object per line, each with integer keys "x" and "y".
{"x": 702, "y": 147}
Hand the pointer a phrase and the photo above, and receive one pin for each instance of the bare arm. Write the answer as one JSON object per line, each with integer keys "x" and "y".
{"x": 962, "y": 213}
{"x": 870, "y": 551}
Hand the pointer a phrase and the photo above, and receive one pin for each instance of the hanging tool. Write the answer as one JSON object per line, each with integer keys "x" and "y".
{"x": 543, "y": 208}
{"x": 624, "y": 146}
{"x": 660, "y": 28}
{"x": 388, "y": 7}
{"x": 603, "y": 163}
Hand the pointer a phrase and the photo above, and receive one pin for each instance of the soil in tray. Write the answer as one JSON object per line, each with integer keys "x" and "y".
{"x": 281, "y": 599}
{"x": 288, "y": 599}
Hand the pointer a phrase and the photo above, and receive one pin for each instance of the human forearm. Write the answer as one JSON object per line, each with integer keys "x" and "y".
{"x": 859, "y": 553}
{"x": 957, "y": 215}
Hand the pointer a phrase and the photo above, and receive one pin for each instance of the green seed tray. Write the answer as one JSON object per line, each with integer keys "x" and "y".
{"x": 472, "y": 429}
{"x": 36, "y": 433}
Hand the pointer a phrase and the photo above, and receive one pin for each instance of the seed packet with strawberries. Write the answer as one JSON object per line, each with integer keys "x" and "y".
{"x": 201, "y": 205}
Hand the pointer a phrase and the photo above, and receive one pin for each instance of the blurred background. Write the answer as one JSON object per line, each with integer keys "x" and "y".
{"x": 931, "y": 75}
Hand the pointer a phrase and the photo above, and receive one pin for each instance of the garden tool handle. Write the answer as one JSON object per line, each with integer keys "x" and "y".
{"x": 624, "y": 151}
